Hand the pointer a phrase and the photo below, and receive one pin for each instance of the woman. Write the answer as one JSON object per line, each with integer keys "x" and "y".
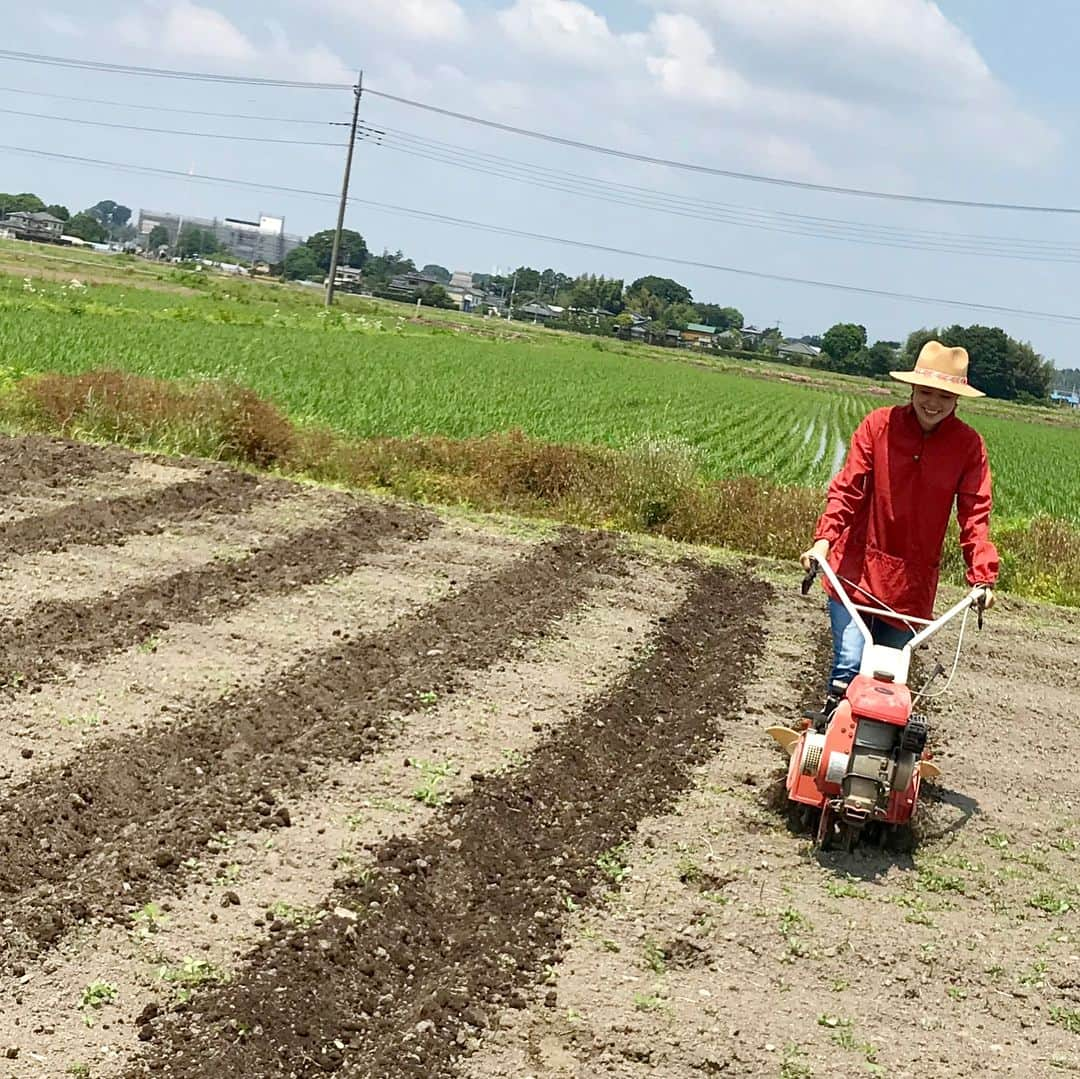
{"x": 888, "y": 508}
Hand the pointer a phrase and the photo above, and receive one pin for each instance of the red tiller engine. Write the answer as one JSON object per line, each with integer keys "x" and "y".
{"x": 865, "y": 766}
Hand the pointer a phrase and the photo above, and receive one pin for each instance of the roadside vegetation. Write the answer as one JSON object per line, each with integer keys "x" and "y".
{"x": 494, "y": 416}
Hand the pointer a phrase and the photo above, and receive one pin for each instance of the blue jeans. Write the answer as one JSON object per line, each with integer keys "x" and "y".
{"x": 848, "y": 641}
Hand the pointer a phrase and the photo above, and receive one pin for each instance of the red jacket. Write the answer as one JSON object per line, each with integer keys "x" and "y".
{"x": 889, "y": 506}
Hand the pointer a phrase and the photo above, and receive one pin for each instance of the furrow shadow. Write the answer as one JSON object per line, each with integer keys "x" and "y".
{"x": 104, "y": 832}
{"x": 408, "y": 963}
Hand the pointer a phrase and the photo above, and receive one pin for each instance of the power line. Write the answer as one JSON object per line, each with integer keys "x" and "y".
{"x": 164, "y": 73}
{"x": 787, "y": 224}
{"x": 164, "y": 108}
{"x": 460, "y": 222}
{"x": 739, "y": 216}
{"x": 164, "y": 130}
{"x": 627, "y": 155}
{"x": 394, "y": 134}
{"x": 730, "y": 174}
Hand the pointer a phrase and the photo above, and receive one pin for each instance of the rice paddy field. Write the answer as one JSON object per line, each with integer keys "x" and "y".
{"x": 369, "y": 370}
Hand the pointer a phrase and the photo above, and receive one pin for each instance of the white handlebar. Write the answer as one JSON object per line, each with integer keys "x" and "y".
{"x": 874, "y": 654}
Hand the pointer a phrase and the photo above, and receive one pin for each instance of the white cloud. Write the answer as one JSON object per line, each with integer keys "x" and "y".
{"x": 435, "y": 20}
{"x": 889, "y": 72}
{"x": 562, "y": 30}
{"x": 188, "y": 30}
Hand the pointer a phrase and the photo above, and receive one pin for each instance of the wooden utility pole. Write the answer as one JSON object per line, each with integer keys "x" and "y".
{"x": 357, "y": 91}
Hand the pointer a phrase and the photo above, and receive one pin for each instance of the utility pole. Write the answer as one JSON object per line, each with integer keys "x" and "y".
{"x": 357, "y": 92}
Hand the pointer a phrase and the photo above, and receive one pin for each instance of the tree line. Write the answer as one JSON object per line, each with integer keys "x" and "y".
{"x": 1001, "y": 366}
{"x": 104, "y": 221}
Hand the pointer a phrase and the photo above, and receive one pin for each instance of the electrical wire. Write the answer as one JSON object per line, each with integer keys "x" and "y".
{"x": 164, "y": 73}
{"x": 578, "y": 144}
{"x": 460, "y": 222}
{"x": 388, "y": 135}
{"x": 165, "y": 108}
{"x": 622, "y": 195}
{"x": 670, "y": 163}
{"x": 165, "y": 130}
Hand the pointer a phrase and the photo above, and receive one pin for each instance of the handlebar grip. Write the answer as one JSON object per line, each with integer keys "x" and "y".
{"x": 808, "y": 580}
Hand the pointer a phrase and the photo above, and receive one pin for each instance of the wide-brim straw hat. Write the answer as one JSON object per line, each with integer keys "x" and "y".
{"x": 941, "y": 368}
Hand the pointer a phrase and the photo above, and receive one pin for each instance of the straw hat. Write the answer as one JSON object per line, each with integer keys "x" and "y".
{"x": 940, "y": 368}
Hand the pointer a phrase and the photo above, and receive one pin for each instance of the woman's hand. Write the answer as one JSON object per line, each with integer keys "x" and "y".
{"x": 820, "y": 548}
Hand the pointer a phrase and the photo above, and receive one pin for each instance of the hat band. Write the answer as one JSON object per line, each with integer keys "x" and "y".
{"x": 928, "y": 372}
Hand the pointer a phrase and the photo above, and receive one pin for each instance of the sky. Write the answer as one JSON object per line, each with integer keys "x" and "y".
{"x": 962, "y": 99}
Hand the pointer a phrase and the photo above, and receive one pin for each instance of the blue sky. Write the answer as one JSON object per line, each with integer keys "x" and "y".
{"x": 960, "y": 99}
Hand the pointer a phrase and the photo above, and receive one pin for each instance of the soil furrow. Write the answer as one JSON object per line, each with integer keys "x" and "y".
{"x": 54, "y": 462}
{"x": 408, "y": 963}
{"x": 108, "y": 520}
{"x": 85, "y": 572}
{"x": 100, "y": 834}
{"x": 225, "y": 908}
{"x": 54, "y": 634}
{"x": 189, "y": 665}
{"x": 639, "y": 975}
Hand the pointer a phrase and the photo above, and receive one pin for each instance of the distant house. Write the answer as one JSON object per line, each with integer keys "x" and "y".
{"x": 1072, "y": 400}
{"x": 539, "y": 312}
{"x": 405, "y": 285}
{"x": 798, "y": 350}
{"x": 348, "y": 278}
{"x": 34, "y": 226}
{"x": 465, "y": 293}
{"x": 698, "y": 334}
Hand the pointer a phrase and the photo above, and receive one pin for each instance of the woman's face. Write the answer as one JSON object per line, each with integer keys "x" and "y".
{"x": 932, "y": 406}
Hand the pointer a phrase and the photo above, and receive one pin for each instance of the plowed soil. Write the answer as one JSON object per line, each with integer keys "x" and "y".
{"x": 315, "y": 784}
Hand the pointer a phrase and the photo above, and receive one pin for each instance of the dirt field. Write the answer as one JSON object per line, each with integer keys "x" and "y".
{"x": 296, "y": 783}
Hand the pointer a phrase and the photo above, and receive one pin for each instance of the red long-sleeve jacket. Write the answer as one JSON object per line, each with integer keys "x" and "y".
{"x": 889, "y": 506}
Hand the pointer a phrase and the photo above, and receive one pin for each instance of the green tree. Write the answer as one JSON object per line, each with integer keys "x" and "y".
{"x": 842, "y": 342}
{"x": 87, "y": 228}
{"x": 159, "y": 237}
{"x": 723, "y": 318}
{"x": 352, "y": 252}
{"x": 59, "y": 211}
{"x": 662, "y": 287}
{"x": 381, "y": 268}
{"x": 195, "y": 242}
{"x": 440, "y": 273}
{"x": 113, "y": 216}
{"x": 435, "y": 296}
{"x": 26, "y": 202}
{"x": 302, "y": 265}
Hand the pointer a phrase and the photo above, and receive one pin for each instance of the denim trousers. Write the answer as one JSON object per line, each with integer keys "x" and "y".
{"x": 848, "y": 641}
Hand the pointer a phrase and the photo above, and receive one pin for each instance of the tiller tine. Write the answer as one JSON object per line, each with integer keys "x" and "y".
{"x": 784, "y": 737}
{"x": 928, "y": 770}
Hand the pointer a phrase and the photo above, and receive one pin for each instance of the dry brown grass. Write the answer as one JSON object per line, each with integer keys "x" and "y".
{"x": 654, "y": 486}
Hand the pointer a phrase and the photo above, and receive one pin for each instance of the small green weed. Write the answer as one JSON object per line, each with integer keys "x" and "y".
{"x": 432, "y": 774}
{"x": 613, "y": 864}
{"x": 1069, "y": 1018}
{"x": 94, "y": 996}
{"x": 655, "y": 957}
{"x": 1050, "y": 902}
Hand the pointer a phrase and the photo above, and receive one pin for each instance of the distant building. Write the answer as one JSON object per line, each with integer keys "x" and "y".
{"x": 264, "y": 240}
{"x": 1070, "y": 399}
{"x": 404, "y": 285}
{"x": 698, "y": 334}
{"x": 24, "y": 225}
{"x": 797, "y": 350}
